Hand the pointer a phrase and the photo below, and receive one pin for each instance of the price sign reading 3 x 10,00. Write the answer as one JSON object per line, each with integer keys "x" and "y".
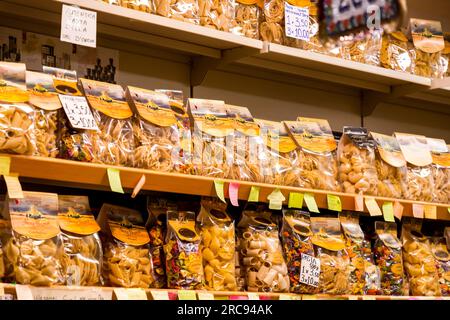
{"x": 310, "y": 270}
{"x": 296, "y": 22}
{"x": 78, "y": 112}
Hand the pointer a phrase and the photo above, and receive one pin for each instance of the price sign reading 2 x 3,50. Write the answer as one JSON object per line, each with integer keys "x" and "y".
{"x": 310, "y": 270}
{"x": 296, "y": 22}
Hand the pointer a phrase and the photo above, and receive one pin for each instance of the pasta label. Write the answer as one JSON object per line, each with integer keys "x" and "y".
{"x": 210, "y": 117}
{"x": 185, "y": 230}
{"x": 75, "y": 215}
{"x": 327, "y": 233}
{"x": 243, "y": 120}
{"x": 12, "y": 82}
{"x": 399, "y": 36}
{"x": 107, "y": 98}
{"x": 35, "y": 216}
{"x": 415, "y": 149}
{"x": 275, "y": 136}
{"x": 439, "y": 152}
{"x": 427, "y": 35}
{"x": 387, "y": 232}
{"x": 312, "y": 134}
{"x": 389, "y": 150}
{"x": 43, "y": 94}
{"x": 66, "y": 87}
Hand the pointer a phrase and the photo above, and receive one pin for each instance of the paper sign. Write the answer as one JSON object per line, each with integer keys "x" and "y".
{"x": 372, "y": 206}
{"x": 159, "y": 295}
{"x": 219, "y": 189}
{"x": 252, "y": 296}
{"x": 138, "y": 186}
{"x": 205, "y": 296}
{"x": 13, "y": 186}
{"x": 296, "y": 21}
{"x": 310, "y": 270}
{"x": 398, "y": 210}
{"x": 359, "y": 203}
{"x": 233, "y": 297}
{"x": 309, "y": 297}
{"x": 295, "y": 200}
{"x": 79, "y": 26}
{"x": 254, "y": 194}
{"x": 418, "y": 210}
{"x": 78, "y": 112}
{"x": 369, "y": 297}
{"x": 311, "y": 202}
{"x": 186, "y": 295}
{"x": 284, "y": 297}
{"x": 130, "y": 294}
{"x": 276, "y": 199}
{"x": 114, "y": 180}
{"x": 430, "y": 212}
{"x": 6, "y": 297}
{"x": 5, "y": 164}
{"x": 334, "y": 203}
{"x": 23, "y": 292}
{"x": 233, "y": 190}
{"x": 67, "y": 293}
{"x": 388, "y": 212}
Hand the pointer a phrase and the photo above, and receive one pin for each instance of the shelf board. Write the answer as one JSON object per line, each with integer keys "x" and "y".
{"x": 89, "y": 175}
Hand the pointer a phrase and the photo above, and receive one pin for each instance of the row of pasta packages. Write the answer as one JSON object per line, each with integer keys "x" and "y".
{"x": 152, "y": 129}
{"x": 54, "y": 240}
{"x": 405, "y": 51}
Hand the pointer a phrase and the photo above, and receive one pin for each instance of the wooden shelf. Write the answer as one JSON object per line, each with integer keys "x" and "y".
{"x": 94, "y": 176}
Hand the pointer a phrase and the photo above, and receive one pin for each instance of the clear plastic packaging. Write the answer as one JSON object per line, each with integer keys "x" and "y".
{"x": 442, "y": 258}
{"x": 218, "y": 245}
{"x": 126, "y": 252}
{"x": 246, "y": 18}
{"x": 440, "y": 153}
{"x": 391, "y": 167}
{"x": 271, "y": 27}
{"x": 16, "y": 129}
{"x": 329, "y": 247}
{"x": 34, "y": 249}
{"x": 140, "y": 5}
{"x": 317, "y": 161}
{"x": 216, "y": 14}
{"x": 395, "y": 54}
{"x": 5, "y": 231}
{"x": 388, "y": 257}
{"x": 184, "y": 262}
{"x": 114, "y": 142}
{"x": 357, "y": 169}
{"x": 183, "y": 10}
{"x": 296, "y": 238}
{"x": 81, "y": 259}
{"x": 261, "y": 253}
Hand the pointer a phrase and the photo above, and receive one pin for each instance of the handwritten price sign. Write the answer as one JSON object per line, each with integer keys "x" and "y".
{"x": 78, "y": 112}
{"x": 310, "y": 271}
{"x": 296, "y": 22}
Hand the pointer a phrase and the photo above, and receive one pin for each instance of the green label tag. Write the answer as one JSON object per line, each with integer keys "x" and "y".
{"x": 186, "y": 295}
{"x": 334, "y": 202}
{"x": 114, "y": 180}
{"x": 295, "y": 200}
{"x": 5, "y": 164}
{"x": 311, "y": 203}
{"x": 254, "y": 194}
{"x": 219, "y": 189}
{"x": 276, "y": 199}
{"x": 388, "y": 211}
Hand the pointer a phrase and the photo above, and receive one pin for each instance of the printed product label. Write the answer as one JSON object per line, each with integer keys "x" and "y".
{"x": 312, "y": 134}
{"x": 415, "y": 149}
{"x": 275, "y": 136}
{"x": 42, "y": 93}
{"x": 75, "y": 215}
{"x": 327, "y": 233}
{"x": 389, "y": 150}
{"x": 12, "y": 82}
{"x": 427, "y": 35}
{"x": 211, "y": 117}
{"x": 243, "y": 120}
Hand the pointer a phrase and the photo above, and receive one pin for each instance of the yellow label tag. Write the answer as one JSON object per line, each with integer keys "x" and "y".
{"x": 309, "y": 297}
{"x": 334, "y": 202}
{"x": 430, "y": 212}
{"x": 254, "y": 194}
{"x": 114, "y": 180}
{"x": 369, "y": 297}
{"x": 219, "y": 189}
{"x": 276, "y": 199}
{"x": 448, "y": 209}
{"x": 252, "y": 296}
{"x": 13, "y": 186}
{"x": 186, "y": 295}
{"x": 352, "y": 297}
{"x": 130, "y": 294}
{"x": 359, "y": 203}
{"x": 295, "y": 200}
{"x": 205, "y": 296}
{"x": 284, "y": 297}
{"x": 398, "y": 210}
{"x": 311, "y": 202}
{"x": 159, "y": 295}
{"x": 5, "y": 164}
{"x": 418, "y": 210}
{"x": 388, "y": 211}
{"x": 372, "y": 206}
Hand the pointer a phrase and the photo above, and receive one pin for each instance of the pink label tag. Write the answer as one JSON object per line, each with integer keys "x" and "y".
{"x": 233, "y": 193}
{"x": 238, "y": 298}
{"x": 359, "y": 203}
{"x": 398, "y": 210}
{"x": 173, "y": 295}
{"x": 417, "y": 210}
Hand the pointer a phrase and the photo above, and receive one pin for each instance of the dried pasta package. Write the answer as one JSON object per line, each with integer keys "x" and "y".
{"x": 184, "y": 263}
{"x": 357, "y": 169}
{"x": 271, "y": 27}
{"x": 246, "y": 15}
{"x": 446, "y": 54}
{"x": 113, "y": 2}
{"x": 216, "y": 14}
{"x": 44, "y": 99}
{"x": 261, "y": 253}
{"x": 213, "y": 137}
{"x": 329, "y": 247}
{"x": 81, "y": 259}
{"x": 218, "y": 245}
{"x": 12, "y": 83}
{"x": 395, "y": 54}
{"x": 126, "y": 251}
{"x": 440, "y": 153}
{"x": 442, "y": 258}
{"x": 415, "y": 149}
{"x": 140, "y": 5}
{"x": 391, "y": 167}
{"x": 112, "y": 113}
{"x": 4, "y": 234}
{"x": 34, "y": 249}
{"x": 183, "y": 10}
{"x": 317, "y": 153}
{"x": 388, "y": 257}
{"x": 296, "y": 238}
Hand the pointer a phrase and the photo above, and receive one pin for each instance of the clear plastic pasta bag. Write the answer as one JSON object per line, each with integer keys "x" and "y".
{"x": 114, "y": 143}
{"x": 34, "y": 249}
{"x": 5, "y": 233}
{"x": 329, "y": 247}
{"x": 271, "y": 27}
{"x": 316, "y": 153}
{"x": 183, "y": 10}
{"x": 388, "y": 257}
{"x": 126, "y": 251}
{"x": 357, "y": 169}
{"x": 140, "y": 5}
{"x": 395, "y": 54}
{"x": 261, "y": 252}
{"x": 81, "y": 259}
{"x": 218, "y": 245}
{"x": 246, "y": 15}
{"x": 442, "y": 258}
{"x": 184, "y": 264}
{"x": 440, "y": 152}
{"x": 216, "y": 14}
{"x": 391, "y": 167}
{"x": 296, "y": 237}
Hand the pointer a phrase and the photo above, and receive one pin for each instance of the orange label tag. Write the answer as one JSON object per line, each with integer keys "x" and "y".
{"x": 418, "y": 210}
{"x": 359, "y": 203}
{"x": 398, "y": 210}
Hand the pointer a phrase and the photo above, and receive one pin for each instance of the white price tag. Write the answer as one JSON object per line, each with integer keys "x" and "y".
{"x": 78, "y": 112}
{"x": 310, "y": 271}
{"x": 296, "y": 21}
{"x": 79, "y": 26}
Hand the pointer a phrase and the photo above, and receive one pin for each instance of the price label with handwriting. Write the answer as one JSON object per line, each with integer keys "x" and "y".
{"x": 297, "y": 21}
{"x": 310, "y": 271}
{"x": 79, "y": 26}
{"x": 78, "y": 112}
